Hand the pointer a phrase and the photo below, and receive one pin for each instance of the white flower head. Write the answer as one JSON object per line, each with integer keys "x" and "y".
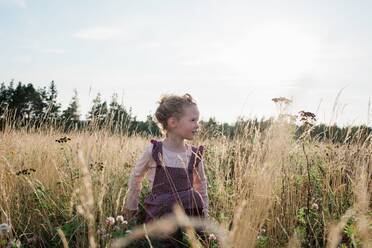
{"x": 5, "y": 229}
{"x": 212, "y": 237}
{"x": 120, "y": 219}
{"x": 110, "y": 221}
{"x": 315, "y": 206}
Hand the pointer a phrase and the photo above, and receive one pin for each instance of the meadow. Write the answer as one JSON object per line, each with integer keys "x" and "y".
{"x": 266, "y": 189}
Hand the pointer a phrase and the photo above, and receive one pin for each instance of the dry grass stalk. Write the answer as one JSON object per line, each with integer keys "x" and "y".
{"x": 86, "y": 207}
{"x": 294, "y": 242}
{"x": 362, "y": 207}
{"x": 62, "y": 237}
{"x": 167, "y": 225}
{"x": 259, "y": 183}
{"x": 245, "y": 176}
{"x": 335, "y": 231}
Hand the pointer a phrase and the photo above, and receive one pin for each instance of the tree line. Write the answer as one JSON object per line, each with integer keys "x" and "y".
{"x": 24, "y": 106}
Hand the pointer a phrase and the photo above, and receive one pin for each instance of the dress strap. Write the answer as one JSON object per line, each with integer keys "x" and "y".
{"x": 157, "y": 151}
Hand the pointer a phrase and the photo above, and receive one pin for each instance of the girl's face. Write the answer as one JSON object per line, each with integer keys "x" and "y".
{"x": 186, "y": 126}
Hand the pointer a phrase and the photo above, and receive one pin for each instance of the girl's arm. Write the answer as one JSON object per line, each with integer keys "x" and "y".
{"x": 136, "y": 176}
{"x": 201, "y": 185}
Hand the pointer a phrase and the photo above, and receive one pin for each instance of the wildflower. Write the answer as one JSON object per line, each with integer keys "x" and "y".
{"x": 5, "y": 228}
{"x": 212, "y": 237}
{"x": 120, "y": 220}
{"x": 96, "y": 166}
{"x": 63, "y": 139}
{"x": 307, "y": 118}
{"x": 110, "y": 221}
{"x": 25, "y": 171}
{"x": 282, "y": 100}
{"x": 315, "y": 206}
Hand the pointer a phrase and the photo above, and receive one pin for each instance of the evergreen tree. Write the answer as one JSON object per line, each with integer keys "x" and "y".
{"x": 3, "y": 100}
{"x": 210, "y": 128}
{"x": 53, "y": 108}
{"x": 27, "y": 102}
{"x": 118, "y": 115}
{"x": 6, "y": 93}
{"x": 152, "y": 127}
{"x": 98, "y": 111}
{"x": 72, "y": 111}
{"x": 38, "y": 99}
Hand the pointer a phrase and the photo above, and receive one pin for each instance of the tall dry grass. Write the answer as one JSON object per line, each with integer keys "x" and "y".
{"x": 266, "y": 189}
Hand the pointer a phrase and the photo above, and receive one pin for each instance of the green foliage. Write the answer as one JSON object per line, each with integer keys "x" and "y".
{"x": 39, "y": 106}
{"x": 52, "y": 108}
{"x": 262, "y": 241}
{"x": 98, "y": 111}
{"x": 71, "y": 114}
{"x": 349, "y": 238}
{"x": 149, "y": 127}
{"x": 339, "y": 135}
{"x": 72, "y": 228}
{"x": 25, "y": 105}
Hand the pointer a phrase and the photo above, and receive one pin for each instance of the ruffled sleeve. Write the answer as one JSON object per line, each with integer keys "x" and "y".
{"x": 201, "y": 184}
{"x": 136, "y": 177}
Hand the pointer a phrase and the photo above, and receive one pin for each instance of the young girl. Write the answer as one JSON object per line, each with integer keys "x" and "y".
{"x": 175, "y": 170}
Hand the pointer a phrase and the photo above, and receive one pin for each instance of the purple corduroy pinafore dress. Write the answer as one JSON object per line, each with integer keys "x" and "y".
{"x": 173, "y": 185}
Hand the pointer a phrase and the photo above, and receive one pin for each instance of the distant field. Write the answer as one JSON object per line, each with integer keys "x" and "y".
{"x": 266, "y": 189}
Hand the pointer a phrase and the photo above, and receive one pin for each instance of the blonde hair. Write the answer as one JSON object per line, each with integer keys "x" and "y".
{"x": 172, "y": 106}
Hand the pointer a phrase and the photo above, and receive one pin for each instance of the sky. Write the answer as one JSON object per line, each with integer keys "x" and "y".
{"x": 233, "y": 57}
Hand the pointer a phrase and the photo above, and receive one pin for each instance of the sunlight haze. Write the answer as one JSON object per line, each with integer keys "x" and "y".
{"x": 233, "y": 57}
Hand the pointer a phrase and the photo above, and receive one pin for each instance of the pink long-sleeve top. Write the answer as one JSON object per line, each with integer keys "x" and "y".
{"x": 146, "y": 165}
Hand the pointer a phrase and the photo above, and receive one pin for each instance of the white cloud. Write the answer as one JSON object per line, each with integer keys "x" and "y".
{"x": 99, "y": 33}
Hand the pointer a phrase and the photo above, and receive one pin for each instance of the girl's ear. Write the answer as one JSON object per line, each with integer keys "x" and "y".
{"x": 172, "y": 122}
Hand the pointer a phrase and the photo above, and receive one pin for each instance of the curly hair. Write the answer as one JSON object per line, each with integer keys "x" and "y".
{"x": 172, "y": 106}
